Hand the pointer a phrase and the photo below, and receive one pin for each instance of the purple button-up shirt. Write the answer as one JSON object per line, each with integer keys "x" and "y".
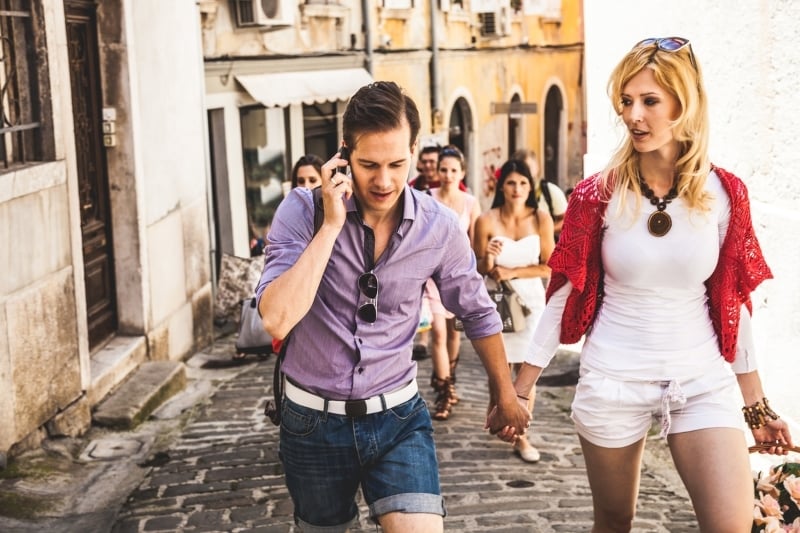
{"x": 335, "y": 354}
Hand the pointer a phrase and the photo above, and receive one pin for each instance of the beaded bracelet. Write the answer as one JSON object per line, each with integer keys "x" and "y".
{"x": 758, "y": 414}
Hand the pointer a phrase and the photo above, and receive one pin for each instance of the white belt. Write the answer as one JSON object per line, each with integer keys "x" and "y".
{"x": 376, "y": 404}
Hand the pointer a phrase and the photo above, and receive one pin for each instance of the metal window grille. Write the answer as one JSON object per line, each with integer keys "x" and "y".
{"x": 245, "y": 12}
{"x": 24, "y": 87}
{"x": 489, "y": 24}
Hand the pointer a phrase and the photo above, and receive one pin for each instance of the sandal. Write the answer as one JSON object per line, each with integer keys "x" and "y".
{"x": 437, "y": 384}
{"x": 445, "y": 391}
{"x": 453, "y": 365}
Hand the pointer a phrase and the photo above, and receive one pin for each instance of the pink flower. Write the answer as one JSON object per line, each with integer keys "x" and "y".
{"x": 769, "y": 506}
{"x": 792, "y": 485}
{"x": 776, "y": 474}
{"x": 773, "y": 525}
{"x": 764, "y": 486}
{"x": 795, "y": 526}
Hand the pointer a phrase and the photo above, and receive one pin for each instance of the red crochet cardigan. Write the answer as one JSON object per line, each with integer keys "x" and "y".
{"x": 740, "y": 269}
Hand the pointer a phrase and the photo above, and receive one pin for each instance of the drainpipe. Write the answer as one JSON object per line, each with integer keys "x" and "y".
{"x": 436, "y": 100}
{"x": 366, "y": 28}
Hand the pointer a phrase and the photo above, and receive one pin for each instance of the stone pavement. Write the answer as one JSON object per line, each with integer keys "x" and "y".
{"x": 223, "y": 474}
{"x": 207, "y": 461}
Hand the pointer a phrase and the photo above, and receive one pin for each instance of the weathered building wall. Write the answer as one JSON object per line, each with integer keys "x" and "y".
{"x": 39, "y": 347}
{"x": 151, "y": 75}
{"x": 167, "y": 106}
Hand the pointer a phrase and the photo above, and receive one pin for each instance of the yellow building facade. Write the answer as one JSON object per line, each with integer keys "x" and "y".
{"x": 489, "y": 76}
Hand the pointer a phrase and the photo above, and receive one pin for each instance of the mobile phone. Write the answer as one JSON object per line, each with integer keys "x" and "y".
{"x": 344, "y": 153}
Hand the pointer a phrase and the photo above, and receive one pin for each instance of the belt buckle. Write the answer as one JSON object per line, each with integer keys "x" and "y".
{"x": 354, "y": 408}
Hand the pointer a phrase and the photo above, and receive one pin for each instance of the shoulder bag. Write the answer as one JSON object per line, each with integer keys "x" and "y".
{"x": 513, "y": 311}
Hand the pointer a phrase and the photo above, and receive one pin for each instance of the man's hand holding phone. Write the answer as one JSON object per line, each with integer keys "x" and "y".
{"x": 336, "y": 187}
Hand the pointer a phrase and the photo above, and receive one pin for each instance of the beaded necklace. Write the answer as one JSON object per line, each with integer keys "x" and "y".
{"x": 659, "y": 222}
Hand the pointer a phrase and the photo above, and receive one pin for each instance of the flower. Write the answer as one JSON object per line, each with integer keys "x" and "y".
{"x": 776, "y": 504}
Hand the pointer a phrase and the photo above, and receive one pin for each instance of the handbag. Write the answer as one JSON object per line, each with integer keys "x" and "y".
{"x": 251, "y": 337}
{"x": 513, "y": 310}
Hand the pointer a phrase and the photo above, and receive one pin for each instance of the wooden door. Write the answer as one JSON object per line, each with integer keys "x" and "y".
{"x": 95, "y": 209}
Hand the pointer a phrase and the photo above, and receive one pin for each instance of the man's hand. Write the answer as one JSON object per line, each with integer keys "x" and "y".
{"x": 508, "y": 420}
{"x": 335, "y": 188}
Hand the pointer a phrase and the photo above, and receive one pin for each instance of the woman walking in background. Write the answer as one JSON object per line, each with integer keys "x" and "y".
{"x": 547, "y": 192}
{"x": 446, "y": 341}
{"x": 307, "y": 172}
{"x": 656, "y": 261}
{"x": 513, "y": 242}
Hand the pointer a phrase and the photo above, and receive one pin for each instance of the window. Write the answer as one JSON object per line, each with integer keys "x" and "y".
{"x": 25, "y": 111}
{"x": 320, "y": 129}
{"x": 264, "y": 156}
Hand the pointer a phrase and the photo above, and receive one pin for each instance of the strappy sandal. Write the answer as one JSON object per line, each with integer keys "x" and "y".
{"x": 453, "y": 365}
{"x": 445, "y": 391}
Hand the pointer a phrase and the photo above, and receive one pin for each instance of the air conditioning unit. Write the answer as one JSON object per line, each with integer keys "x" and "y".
{"x": 495, "y": 23}
{"x": 265, "y": 12}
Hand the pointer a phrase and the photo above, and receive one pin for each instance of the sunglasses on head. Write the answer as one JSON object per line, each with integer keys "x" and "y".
{"x": 368, "y": 285}
{"x": 669, "y": 44}
{"x": 451, "y": 152}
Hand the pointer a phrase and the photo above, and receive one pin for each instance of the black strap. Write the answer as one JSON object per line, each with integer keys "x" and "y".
{"x": 319, "y": 210}
{"x": 273, "y": 407}
{"x": 545, "y": 187}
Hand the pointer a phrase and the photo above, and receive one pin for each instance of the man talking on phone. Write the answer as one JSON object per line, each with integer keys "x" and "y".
{"x": 350, "y": 295}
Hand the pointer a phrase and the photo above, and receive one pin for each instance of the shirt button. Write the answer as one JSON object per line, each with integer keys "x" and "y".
{"x": 361, "y": 370}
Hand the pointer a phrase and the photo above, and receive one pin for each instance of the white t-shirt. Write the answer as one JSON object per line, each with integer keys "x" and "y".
{"x": 557, "y": 196}
{"x": 653, "y": 323}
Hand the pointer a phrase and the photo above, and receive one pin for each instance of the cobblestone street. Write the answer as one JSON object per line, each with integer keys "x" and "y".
{"x": 223, "y": 474}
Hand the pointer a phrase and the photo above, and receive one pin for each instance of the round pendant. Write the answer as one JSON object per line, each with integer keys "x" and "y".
{"x": 659, "y": 223}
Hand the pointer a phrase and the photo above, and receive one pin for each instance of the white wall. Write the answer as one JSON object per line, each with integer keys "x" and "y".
{"x": 751, "y": 64}
{"x": 167, "y": 112}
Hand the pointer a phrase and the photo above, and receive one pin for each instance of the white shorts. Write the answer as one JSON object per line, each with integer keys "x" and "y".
{"x": 613, "y": 413}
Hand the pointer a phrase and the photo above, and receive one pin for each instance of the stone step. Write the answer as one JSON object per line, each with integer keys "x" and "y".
{"x": 148, "y": 387}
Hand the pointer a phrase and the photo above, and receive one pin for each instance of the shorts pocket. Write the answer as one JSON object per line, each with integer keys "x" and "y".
{"x": 597, "y": 390}
{"x": 298, "y": 420}
{"x": 408, "y": 409}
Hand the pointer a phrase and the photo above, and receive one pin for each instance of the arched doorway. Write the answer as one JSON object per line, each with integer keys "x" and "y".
{"x": 553, "y": 107}
{"x": 460, "y": 132}
{"x": 514, "y": 125}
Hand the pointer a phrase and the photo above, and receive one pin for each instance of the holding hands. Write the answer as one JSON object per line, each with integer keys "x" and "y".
{"x": 510, "y": 421}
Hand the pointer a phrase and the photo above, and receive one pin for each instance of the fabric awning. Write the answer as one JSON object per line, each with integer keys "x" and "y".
{"x": 280, "y": 89}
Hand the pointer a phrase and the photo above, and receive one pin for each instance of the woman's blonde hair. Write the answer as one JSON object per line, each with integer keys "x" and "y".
{"x": 678, "y": 73}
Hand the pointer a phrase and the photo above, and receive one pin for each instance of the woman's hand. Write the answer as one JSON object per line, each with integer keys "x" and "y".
{"x": 775, "y": 432}
{"x": 499, "y": 273}
{"x": 494, "y": 247}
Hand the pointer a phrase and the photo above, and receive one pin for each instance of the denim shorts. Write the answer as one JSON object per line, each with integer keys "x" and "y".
{"x": 390, "y": 455}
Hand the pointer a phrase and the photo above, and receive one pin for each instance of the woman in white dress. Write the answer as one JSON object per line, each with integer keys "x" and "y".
{"x": 513, "y": 242}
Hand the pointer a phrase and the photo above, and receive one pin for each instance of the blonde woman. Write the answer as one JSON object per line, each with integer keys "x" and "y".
{"x": 513, "y": 242}
{"x": 656, "y": 261}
